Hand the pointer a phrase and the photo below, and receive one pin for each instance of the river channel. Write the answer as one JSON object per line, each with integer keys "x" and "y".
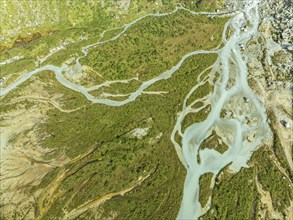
{"x": 245, "y": 27}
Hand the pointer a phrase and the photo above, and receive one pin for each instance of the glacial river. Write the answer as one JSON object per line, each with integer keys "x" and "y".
{"x": 245, "y": 25}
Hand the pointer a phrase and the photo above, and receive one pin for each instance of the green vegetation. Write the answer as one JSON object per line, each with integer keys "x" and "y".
{"x": 198, "y": 5}
{"x": 200, "y": 92}
{"x": 118, "y": 160}
{"x": 280, "y": 154}
{"x": 236, "y": 196}
{"x": 223, "y": 113}
{"x": 16, "y": 67}
{"x": 41, "y": 45}
{"x": 34, "y": 51}
{"x": 10, "y": 78}
{"x": 32, "y": 20}
{"x": 104, "y": 157}
{"x": 198, "y": 105}
{"x": 197, "y": 117}
{"x": 154, "y": 45}
{"x": 122, "y": 88}
{"x": 273, "y": 180}
{"x": 157, "y": 42}
{"x": 280, "y": 60}
{"x": 50, "y": 86}
{"x": 39, "y": 17}
{"x": 204, "y": 188}
{"x": 89, "y": 77}
{"x": 279, "y": 57}
{"x": 111, "y": 33}
{"x": 212, "y": 142}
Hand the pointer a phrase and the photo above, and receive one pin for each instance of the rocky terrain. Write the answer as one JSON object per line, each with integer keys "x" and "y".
{"x": 271, "y": 69}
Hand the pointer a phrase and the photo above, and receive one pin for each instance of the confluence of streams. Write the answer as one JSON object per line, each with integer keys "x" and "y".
{"x": 211, "y": 161}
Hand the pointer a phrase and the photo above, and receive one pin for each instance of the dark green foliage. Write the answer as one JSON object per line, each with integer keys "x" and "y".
{"x": 119, "y": 160}
{"x": 273, "y": 180}
{"x": 234, "y": 197}
{"x": 212, "y": 142}
{"x": 204, "y": 188}
{"x": 154, "y": 45}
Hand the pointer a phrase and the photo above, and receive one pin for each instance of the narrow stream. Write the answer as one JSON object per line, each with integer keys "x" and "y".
{"x": 60, "y": 77}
